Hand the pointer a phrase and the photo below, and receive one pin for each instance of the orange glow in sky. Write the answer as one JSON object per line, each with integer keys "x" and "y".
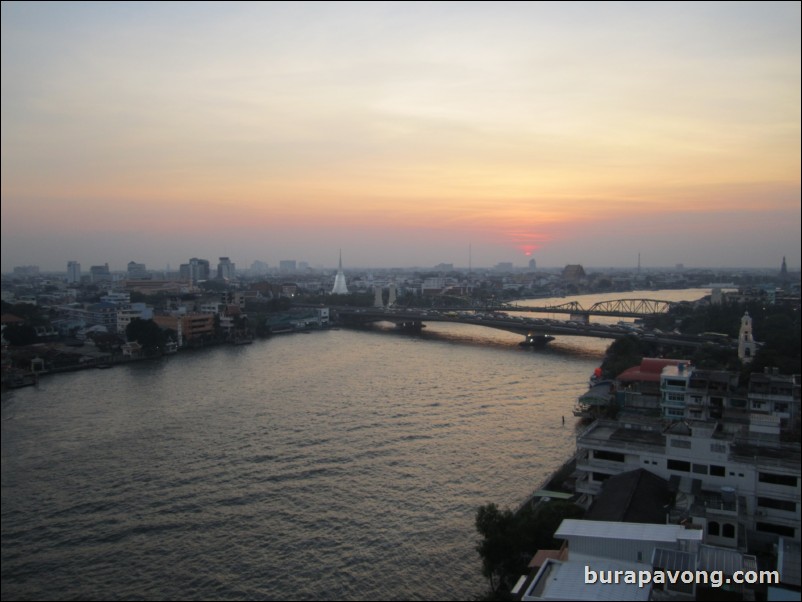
{"x": 265, "y": 131}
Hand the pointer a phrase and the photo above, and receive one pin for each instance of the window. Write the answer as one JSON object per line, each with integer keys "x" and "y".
{"x": 678, "y": 465}
{"x": 712, "y": 528}
{"x": 717, "y": 471}
{"x": 776, "y": 529}
{"x": 728, "y": 530}
{"x": 719, "y": 448}
{"x": 600, "y": 454}
{"x": 600, "y": 477}
{"x": 700, "y": 468}
{"x": 682, "y": 443}
{"x": 770, "y": 502}
{"x": 777, "y": 479}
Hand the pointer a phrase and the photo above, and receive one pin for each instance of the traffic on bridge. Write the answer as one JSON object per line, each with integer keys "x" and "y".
{"x": 536, "y": 331}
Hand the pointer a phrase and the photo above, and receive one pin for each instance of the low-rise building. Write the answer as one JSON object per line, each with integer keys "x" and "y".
{"x": 190, "y": 327}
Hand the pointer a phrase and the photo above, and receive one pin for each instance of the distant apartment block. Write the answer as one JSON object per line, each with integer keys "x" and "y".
{"x": 137, "y": 271}
{"x": 73, "y": 272}
{"x": 287, "y": 265}
{"x": 197, "y": 270}
{"x": 26, "y": 270}
{"x": 100, "y": 273}
{"x": 574, "y": 273}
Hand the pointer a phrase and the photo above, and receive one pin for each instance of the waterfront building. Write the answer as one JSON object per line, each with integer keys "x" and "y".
{"x": 693, "y": 394}
{"x": 608, "y": 546}
{"x": 775, "y": 394}
{"x": 638, "y": 387}
{"x": 740, "y": 482}
{"x": 124, "y": 317}
{"x": 191, "y": 327}
{"x": 340, "y": 288}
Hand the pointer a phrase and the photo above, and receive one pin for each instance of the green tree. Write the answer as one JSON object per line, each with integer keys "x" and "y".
{"x": 147, "y": 333}
{"x": 19, "y": 334}
{"x": 497, "y": 548}
{"x": 509, "y": 540}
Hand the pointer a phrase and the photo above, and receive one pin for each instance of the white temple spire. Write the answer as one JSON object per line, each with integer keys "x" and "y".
{"x": 340, "y": 287}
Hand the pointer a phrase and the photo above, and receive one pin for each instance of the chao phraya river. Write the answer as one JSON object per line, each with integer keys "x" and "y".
{"x": 336, "y": 465}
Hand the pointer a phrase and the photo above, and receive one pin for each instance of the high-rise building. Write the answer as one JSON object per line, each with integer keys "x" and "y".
{"x": 73, "y": 272}
{"x": 100, "y": 273}
{"x": 225, "y": 269}
{"x": 195, "y": 271}
{"x": 287, "y": 265}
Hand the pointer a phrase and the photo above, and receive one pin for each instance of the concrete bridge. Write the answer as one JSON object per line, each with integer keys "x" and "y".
{"x": 535, "y": 330}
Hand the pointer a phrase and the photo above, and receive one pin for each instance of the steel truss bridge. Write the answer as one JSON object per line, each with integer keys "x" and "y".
{"x": 619, "y": 308}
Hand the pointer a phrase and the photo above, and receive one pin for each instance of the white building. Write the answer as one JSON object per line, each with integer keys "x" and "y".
{"x": 741, "y": 483}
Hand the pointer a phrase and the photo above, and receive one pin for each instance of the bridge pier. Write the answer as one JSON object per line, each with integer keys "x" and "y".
{"x": 410, "y": 326}
{"x": 536, "y": 340}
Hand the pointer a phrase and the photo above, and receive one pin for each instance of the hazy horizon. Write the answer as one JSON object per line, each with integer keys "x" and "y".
{"x": 401, "y": 133}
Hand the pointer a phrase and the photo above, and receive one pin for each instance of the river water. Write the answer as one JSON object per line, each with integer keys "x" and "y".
{"x": 334, "y": 465}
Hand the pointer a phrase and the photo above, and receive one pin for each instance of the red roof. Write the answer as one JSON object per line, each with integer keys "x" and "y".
{"x": 10, "y": 319}
{"x": 649, "y": 370}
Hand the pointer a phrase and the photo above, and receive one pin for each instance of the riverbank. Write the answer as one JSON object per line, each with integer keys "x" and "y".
{"x": 24, "y": 366}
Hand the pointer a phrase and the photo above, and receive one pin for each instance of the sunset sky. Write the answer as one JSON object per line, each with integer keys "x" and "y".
{"x": 401, "y": 133}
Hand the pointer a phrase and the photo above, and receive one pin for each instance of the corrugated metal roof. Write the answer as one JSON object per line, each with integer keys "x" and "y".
{"x": 616, "y": 530}
{"x": 720, "y": 559}
{"x": 673, "y": 560}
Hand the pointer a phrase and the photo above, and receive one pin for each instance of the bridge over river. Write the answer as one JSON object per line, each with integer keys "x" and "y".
{"x": 535, "y": 330}
{"x": 617, "y": 308}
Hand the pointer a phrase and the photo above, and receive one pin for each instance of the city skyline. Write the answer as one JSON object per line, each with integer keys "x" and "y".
{"x": 402, "y": 133}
